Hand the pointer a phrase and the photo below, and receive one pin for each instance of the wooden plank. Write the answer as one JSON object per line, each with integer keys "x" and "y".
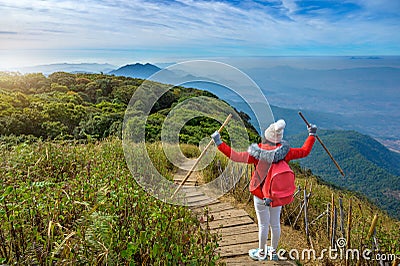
{"x": 247, "y": 237}
{"x": 180, "y": 179}
{"x": 189, "y": 189}
{"x": 188, "y": 183}
{"x": 236, "y": 250}
{"x": 236, "y": 230}
{"x": 240, "y": 260}
{"x": 246, "y": 260}
{"x": 182, "y": 173}
{"x": 231, "y": 222}
{"x": 215, "y": 207}
{"x": 181, "y": 176}
{"x": 198, "y": 198}
{"x": 220, "y": 207}
{"x": 201, "y": 203}
{"x": 229, "y": 214}
{"x": 193, "y": 193}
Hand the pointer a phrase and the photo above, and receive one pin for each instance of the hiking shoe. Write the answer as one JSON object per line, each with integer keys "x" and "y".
{"x": 257, "y": 254}
{"x": 272, "y": 256}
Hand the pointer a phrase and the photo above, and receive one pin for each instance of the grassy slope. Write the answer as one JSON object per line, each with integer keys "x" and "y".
{"x": 69, "y": 203}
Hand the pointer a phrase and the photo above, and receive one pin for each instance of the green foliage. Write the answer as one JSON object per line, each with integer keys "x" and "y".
{"x": 91, "y": 106}
{"x": 190, "y": 151}
{"x": 68, "y": 203}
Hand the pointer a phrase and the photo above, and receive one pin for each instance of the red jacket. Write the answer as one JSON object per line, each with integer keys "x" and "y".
{"x": 262, "y": 168}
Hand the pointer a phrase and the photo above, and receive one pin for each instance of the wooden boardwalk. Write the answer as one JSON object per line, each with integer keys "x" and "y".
{"x": 238, "y": 230}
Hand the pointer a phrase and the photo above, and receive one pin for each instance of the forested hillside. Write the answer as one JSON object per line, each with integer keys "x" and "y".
{"x": 371, "y": 169}
{"x": 87, "y": 106}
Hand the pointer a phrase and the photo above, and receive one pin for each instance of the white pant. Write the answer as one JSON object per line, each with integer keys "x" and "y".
{"x": 267, "y": 216}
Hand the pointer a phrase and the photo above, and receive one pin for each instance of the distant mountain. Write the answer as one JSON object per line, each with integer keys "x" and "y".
{"x": 295, "y": 124}
{"x": 360, "y": 87}
{"x": 70, "y": 68}
{"x": 371, "y": 169}
{"x": 142, "y": 71}
{"x": 366, "y": 96}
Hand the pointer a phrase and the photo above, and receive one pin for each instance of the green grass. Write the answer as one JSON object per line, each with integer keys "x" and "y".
{"x": 363, "y": 211}
{"x": 69, "y": 203}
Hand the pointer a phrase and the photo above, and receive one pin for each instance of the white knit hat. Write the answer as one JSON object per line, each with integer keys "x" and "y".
{"x": 274, "y": 133}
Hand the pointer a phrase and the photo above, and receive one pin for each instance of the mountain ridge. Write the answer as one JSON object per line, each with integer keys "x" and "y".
{"x": 137, "y": 70}
{"x": 68, "y": 67}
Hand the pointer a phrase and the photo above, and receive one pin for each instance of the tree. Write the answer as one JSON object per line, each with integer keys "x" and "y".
{"x": 123, "y": 94}
{"x": 33, "y": 82}
{"x": 25, "y": 122}
{"x": 62, "y": 78}
{"x": 99, "y": 126}
{"x": 68, "y": 114}
{"x": 54, "y": 129}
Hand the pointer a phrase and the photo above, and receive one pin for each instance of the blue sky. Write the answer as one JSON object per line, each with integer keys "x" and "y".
{"x": 123, "y": 31}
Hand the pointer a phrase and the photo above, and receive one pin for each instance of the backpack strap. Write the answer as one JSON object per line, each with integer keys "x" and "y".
{"x": 267, "y": 191}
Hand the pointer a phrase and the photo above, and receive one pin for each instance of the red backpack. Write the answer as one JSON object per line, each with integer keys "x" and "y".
{"x": 279, "y": 185}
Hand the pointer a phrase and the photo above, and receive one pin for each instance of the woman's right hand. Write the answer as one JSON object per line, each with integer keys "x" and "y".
{"x": 217, "y": 138}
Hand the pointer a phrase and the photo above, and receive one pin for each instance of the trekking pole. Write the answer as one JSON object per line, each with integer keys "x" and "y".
{"x": 201, "y": 156}
{"x": 323, "y": 146}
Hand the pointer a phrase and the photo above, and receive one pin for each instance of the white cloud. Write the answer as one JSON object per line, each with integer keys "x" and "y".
{"x": 195, "y": 26}
{"x": 290, "y": 6}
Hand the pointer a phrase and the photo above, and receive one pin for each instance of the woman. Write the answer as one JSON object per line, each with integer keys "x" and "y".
{"x": 262, "y": 155}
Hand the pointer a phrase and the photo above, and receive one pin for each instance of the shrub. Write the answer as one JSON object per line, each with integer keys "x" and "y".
{"x": 68, "y": 203}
